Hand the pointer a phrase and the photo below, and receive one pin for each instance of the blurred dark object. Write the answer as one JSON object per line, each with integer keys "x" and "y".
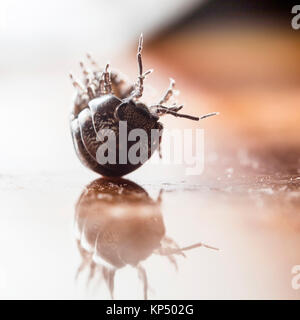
{"x": 242, "y": 59}
{"x": 233, "y": 44}
{"x": 221, "y": 14}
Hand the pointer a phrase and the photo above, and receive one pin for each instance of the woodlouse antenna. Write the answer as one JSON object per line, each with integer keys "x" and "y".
{"x": 161, "y": 110}
{"x": 182, "y": 115}
{"x": 169, "y": 251}
{"x": 197, "y": 245}
{"x": 139, "y": 54}
{"x": 169, "y": 92}
{"x": 138, "y": 92}
{"x": 209, "y": 115}
{"x": 176, "y": 108}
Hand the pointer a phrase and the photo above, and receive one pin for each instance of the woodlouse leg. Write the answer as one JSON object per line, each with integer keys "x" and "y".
{"x": 111, "y": 282}
{"x": 139, "y": 87}
{"x": 120, "y": 87}
{"x": 80, "y": 268}
{"x": 159, "y": 148}
{"x": 91, "y": 92}
{"x": 101, "y": 86}
{"x": 159, "y": 198}
{"x": 106, "y": 78}
{"x": 81, "y": 93}
{"x": 93, "y": 63}
{"x": 160, "y": 128}
{"x": 118, "y": 84}
{"x": 91, "y": 273}
{"x": 76, "y": 84}
{"x": 101, "y": 77}
{"x": 85, "y": 73}
{"x": 173, "y": 261}
{"x": 89, "y": 86}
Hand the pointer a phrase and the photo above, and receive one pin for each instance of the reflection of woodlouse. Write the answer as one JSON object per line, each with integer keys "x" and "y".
{"x": 102, "y": 101}
{"x": 118, "y": 224}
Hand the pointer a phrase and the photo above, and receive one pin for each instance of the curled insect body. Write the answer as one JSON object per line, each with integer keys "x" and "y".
{"x": 103, "y": 101}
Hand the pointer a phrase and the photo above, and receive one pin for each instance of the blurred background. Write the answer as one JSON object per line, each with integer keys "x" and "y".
{"x": 240, "y": 58}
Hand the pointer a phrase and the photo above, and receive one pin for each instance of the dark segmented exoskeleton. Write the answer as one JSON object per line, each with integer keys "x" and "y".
{"x": 104, "y": 99}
